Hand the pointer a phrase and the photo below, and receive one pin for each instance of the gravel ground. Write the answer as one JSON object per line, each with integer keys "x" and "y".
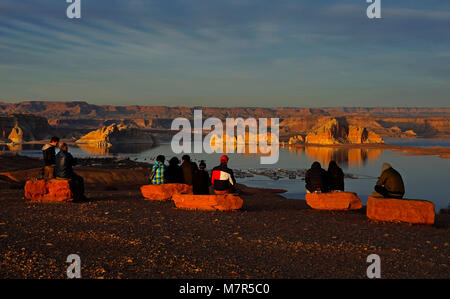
{"x": 120, "y": 235}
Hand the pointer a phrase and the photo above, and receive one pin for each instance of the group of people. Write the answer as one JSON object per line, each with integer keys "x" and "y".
{"x": 318, "y": 180}
{"x": 189, "y": 173}
{"x": 60, "y": 166}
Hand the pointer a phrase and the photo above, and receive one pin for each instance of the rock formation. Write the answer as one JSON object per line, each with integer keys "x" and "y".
{"x": 225, "y": 202}
{"x": 338, "y": 131}
{"x": 116, "y": 134}
{"x": 164, "y": 191}
{"x": 296, "y": 140}
{"x": 18, "y": 128}
{"x": 334, "y": 201}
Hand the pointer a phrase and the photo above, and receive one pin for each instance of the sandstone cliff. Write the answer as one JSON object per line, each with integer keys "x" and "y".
{"x": 116, "y": 134}
{"x": 18, "y": 128}
{"x": 338, "y": 131}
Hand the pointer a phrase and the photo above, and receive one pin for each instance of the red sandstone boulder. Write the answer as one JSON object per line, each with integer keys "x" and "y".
{"x": 334, "y": 201}
{"x": 164, "y": 191}
{"x": 225, "y": 202}
{"x": 50, "y": 190}
{"x": 403, "y": 210}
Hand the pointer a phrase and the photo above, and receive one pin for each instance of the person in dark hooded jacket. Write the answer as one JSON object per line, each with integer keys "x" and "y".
{"x": 201, "y": 181}
{"x": 174, "y": 174}
{"x": 389, "y": 184}
{"x": 49, "y": 155}
{"x": 188, "y": 168}
{"x": 335, "y": 178}
{"x": 316, "y": 179}
{"x": 64, "y": 169}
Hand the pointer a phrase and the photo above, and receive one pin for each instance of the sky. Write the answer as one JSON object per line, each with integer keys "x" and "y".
{"x": 261, "y": 53}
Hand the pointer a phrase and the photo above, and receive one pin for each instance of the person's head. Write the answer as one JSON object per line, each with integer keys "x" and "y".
{"x": 385, "y": 167}
{"x": 186, "y": 158}
{"x": 332, "y": 165}
{"x": 202, "y": 165}
{"x": 63, "y": 147}
{"x": 224, "y": 159}
{"x": 174, "y": 161}
{"x": 316, "y": 165}
{"x": 54, "y": 141}
{"x": 161, "y": 158}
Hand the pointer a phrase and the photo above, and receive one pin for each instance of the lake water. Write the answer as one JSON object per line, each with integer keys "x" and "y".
{"x": 425, "y": 177}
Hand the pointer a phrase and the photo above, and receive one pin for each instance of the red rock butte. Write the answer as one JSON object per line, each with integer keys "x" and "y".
{"x": 224, "y": 202}
{"x": 334, "y": 201}
{"x": 401, "y": 210}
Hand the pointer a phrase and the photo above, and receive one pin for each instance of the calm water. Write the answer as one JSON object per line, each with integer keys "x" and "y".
{"x": 425, "y": 177}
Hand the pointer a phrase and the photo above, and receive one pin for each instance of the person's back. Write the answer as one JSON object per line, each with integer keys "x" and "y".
{"x": 64, "y": 165}
{"x": 335, "y": 180}
{"x": 188, "y": 168}
{"x": 174, "y": 174}
{"x": 159, "y": 171}
{"x": 316, "y": 178}
{"x": 222, "y": 177}
{"x": 201, "y": 181}
{"x": 49, "y": 156}
{"x": 390, "y": 183}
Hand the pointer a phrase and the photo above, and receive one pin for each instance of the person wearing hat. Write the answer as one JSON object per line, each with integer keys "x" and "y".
{"x": 389, "y": 184}
{"x": 201, "y": 180}
{"x": 223, "y": 178}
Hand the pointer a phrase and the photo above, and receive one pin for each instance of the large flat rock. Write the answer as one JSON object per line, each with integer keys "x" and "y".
{"x": 225, "y": 202}
{"x": 164, "y": 191}
{"x": 56, "y": 190}
{"x": 401, "y": 210}
{"x": 334, "y": 201}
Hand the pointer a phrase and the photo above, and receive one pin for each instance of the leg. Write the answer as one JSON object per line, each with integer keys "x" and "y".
{"x": 381, "y": 190}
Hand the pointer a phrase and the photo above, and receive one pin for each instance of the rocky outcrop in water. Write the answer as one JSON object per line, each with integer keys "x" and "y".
{"x": 338, "y": 131}
{"x": 116, "y": 134}
{"x": 19, "y": 128}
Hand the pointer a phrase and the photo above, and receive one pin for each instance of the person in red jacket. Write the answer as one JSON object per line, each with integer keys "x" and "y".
{"x": 222, "y": 177}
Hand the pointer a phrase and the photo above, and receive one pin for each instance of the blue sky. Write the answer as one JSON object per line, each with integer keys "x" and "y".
{"x": 227, "y": 52}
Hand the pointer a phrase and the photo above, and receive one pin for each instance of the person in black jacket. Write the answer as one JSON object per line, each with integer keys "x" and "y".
{"x": 335, "y": 177}
{"x": 48, "y": 153}
{"x": 64, "y": 169}
{"x": 316, "y": 179}
{"x": 223, "y": 178}
{"x": 174, "y": 174}
{"x": 201, "y": 180}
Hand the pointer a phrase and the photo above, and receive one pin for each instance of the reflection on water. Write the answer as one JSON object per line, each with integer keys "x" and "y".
{"x": 343, "y": 156}
{"x": 115, "y": 149}
{"x": 11, "y": 147}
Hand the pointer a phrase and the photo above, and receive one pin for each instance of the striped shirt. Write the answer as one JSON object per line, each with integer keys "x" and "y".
{"x": 160, "y": 170}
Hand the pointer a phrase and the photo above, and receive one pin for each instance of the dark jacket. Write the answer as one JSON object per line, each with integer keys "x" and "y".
{"x": 188, "y": 169}
{"x": 64, "y": 163}
{"x": 316, "y": 178}
{"x": 48, "y": 151}
{"x": 201, "y": 183}
{"x": 335, "y": 178}
{"x": 174, "y": 174}
{"x": 222, "y": 178}
{"x": 392, "y": 181}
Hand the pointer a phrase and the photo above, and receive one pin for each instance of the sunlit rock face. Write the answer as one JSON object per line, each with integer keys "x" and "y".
{"x": 115, "y": 134}
{"x": 296, "y": 140}
{"x": 19, "y": 128}
{"x": 338, "y": 131}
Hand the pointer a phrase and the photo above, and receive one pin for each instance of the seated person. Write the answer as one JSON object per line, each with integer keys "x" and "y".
{"x": 63, "y": 169}
{"x": 201, "y": 180}
{"x": 335, "y": 178}
{"x": 158, "y": 176}
{"x": 188, "y": 168}
{"x": 389, "y": 184}
{"x": 223, "y": 178}
{"x": 316, "y": 179}
{"x": 48, "y": 152}
{"x": 174, "y": 174}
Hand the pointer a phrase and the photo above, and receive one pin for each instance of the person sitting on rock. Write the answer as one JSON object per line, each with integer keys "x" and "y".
{"x": 335, "y": 178}
{"x": 201, "y": 181}
{"x": 64, "y": 169}
{"x": 316, "y": 179}
{"x": 389, "y": 184}
{"x": 174, "y": 174}
{"x": 223, "y": 178}
{"x": 159, "y": 171}
{"x": 188, "y": 168}
{"x": 48, "y": 152}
